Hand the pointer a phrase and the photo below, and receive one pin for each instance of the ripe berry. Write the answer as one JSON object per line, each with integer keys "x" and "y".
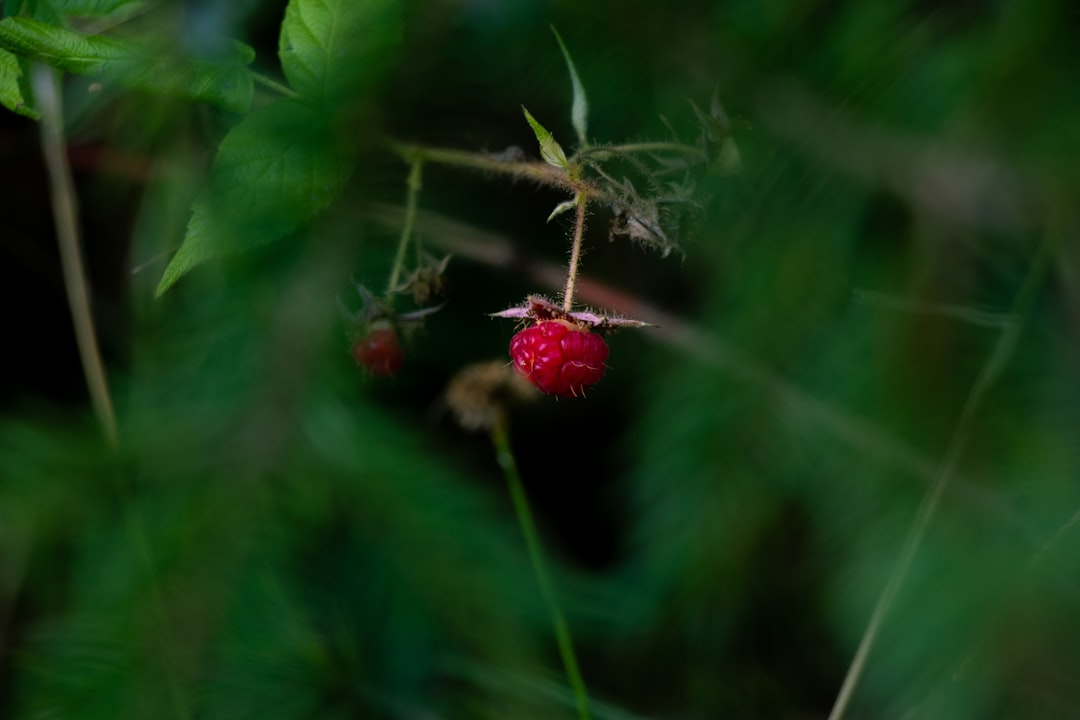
{"x": 558, "y": 357}
{"x": 379, "y": 351}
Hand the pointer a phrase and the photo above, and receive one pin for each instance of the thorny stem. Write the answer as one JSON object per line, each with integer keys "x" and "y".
{"x": 575, "y": 252}
{"x": 66, "y": 212}
{"x": 988, "y": 375}
{"x": 532, "y": 541}
{"x": 416, "y": 165}
{"x": 539, "y": 172}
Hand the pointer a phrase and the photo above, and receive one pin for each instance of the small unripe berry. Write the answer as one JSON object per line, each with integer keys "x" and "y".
{"x": 379, "y": 351}
{"x": 558, "y": 357}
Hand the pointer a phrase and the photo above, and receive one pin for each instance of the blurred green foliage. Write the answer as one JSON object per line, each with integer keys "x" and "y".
{"x": 280, "y": 536}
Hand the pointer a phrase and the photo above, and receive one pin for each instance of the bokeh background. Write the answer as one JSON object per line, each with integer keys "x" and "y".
{"x": 882, "y": 307}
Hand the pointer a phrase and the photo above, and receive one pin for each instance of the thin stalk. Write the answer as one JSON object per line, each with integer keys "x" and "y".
{"x": 988, "y": 376}
{"x": 539, "y": 172}
{"x": 575, "y": 252}
{"x": 532, "y": 541}
{"x": 274, "y": 85}
{"x": 601, "y": 152}
{"x": 416, "y": 166}
{"x": 656, "y": 147}
{"x": 65, "y": 210}
{"x": 66, "y": 213}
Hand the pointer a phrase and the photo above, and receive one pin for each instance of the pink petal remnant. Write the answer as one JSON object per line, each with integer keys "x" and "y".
{"x": 540, "y": 308}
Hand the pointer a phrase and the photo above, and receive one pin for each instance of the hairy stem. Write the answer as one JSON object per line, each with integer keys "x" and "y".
{"x": 66, "y": 213}
{"x": 575, "y": 252}
{"x": 416, "y": 166}
{"x": 539, "y": 172}
{"x": 532, "y": 541}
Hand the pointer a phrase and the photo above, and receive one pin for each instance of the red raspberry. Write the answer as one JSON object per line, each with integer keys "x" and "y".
{"x": 379, "y": 351}
{"x": 558, "y": 357}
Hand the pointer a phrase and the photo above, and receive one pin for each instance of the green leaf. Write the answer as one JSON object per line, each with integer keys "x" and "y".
{"x": 562, "y": 207}
{"x": 274, "y": 171}
{"x": 333, "y": 48}
{"x": 11, "y": 95}
{"x": 550, "y": 150}
{"x": 94, "y": 8}
{"x": 61, "y": 48}
{"x": 579, "y": 112}
{"x": 42, "y": 10}
{"x": 226, "y": 84}
{"x": 54, "y": 11}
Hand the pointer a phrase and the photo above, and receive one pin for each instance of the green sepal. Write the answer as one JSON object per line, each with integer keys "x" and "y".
{"x": 550, "y": 150}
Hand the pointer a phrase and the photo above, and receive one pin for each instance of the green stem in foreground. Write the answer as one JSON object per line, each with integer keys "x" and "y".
{"x": 575, "y": 252}
{"x": 532, "y": 541}
{"x": 66, "y": 213}
{"x": 416, "y": 165}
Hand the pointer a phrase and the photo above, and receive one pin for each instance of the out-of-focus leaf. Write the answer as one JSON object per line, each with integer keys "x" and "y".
{"x": 61, "y": 48}
{"x": 331, "y": 48}
{"x": 550, "y": 150}
{"x": 274, "y": 171}
{"x": 227, "y": 84}
{"x": 37, "y": 9}
{"x": 94, "y": 8}
{"x": 11, "y": 95}
{"x": 579, "y": 112}
{"x": 728, "y": 160}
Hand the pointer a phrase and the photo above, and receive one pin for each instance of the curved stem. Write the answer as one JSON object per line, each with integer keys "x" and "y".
{"x": 532, "y": 541}
{"x": 575, "y": 252}
{"x": 66, "y": 213}
{"x": 416, "y": 165}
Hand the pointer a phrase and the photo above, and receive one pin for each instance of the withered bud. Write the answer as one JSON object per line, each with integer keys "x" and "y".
{"x": 479, "y": 395}
{"x": 427, "y": 282}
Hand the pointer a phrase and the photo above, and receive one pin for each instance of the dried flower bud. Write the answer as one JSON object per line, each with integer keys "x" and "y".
{"x": 479, "y": 395}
